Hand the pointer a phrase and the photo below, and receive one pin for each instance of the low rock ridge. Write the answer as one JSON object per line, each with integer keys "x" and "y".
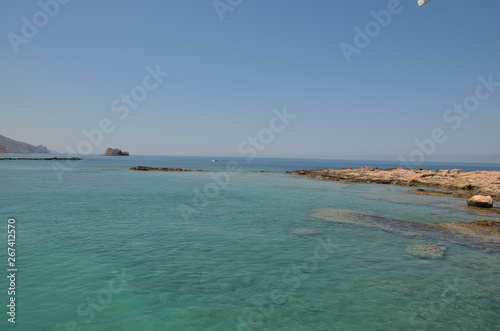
{"x": 455, "y": 182}
{"x": 143, "y": 168}
{"x": 41, "y": 159}
{"x": 115, "y": 152}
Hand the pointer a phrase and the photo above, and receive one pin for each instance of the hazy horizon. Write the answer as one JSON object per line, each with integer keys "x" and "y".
{"x": 431, "y": 158}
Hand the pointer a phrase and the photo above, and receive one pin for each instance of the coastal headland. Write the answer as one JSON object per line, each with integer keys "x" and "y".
{"x": 454, "y": 182}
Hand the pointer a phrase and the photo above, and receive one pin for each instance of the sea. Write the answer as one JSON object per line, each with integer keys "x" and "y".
{"x": 233, "y": 247}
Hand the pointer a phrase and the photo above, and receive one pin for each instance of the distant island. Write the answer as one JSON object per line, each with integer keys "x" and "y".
{"x": 115, "y": 152}
{"x": 12, "y": 146}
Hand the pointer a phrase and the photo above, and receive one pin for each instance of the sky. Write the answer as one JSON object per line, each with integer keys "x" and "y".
{"x": 283, "y": 78}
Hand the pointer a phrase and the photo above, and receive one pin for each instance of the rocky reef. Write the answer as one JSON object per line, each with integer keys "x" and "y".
{"x": 143, "y": 168}
{"x": 478, "y": 234}
{"x": 427, "y": 250}
{"x": 452, "y": 182}
{"x": 438, "y": 192}
{"x": 302, "y": 232}
{"x": 41, "y": 159}
{"x": 115, "y": 152}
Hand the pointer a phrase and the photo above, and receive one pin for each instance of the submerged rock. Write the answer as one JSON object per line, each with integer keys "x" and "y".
{"x": 483, "y": 235}
{"x": 427, "y": 251}
{"x": 482, "y": 201}
{"x": 489, "y": 230}
{"x": 305, "y": 232}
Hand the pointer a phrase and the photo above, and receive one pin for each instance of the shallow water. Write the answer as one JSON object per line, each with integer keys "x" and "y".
{"x": 107, "y": 248}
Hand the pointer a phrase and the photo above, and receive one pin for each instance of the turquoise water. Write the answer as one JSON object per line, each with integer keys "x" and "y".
{"x": 100, "y": 247}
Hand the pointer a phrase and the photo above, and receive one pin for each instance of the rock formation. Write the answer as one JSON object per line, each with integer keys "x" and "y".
{"x": 427, "y": 251}
{"x": 3, "y": 150}
{"x": 143, "y": 168}
{"x": 482, "y": 201}
{"x": 115, "y": 152}
{"x": 461, "y": 183}
{"x": 41, "y": 159}
{"x": 479, "y": 234}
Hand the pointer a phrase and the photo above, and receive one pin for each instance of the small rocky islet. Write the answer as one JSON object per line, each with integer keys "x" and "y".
{"x": 115, "y": 152}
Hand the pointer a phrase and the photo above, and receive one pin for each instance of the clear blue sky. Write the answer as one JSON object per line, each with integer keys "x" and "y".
{"x": 226, "y": 76}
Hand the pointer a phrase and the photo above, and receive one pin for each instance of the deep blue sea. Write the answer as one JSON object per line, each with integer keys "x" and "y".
{"x": 101, "y": 247}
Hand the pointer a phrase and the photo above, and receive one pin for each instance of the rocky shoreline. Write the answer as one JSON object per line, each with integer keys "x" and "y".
{"x": 454, "y": 182}
{"x": 480, "y": 187}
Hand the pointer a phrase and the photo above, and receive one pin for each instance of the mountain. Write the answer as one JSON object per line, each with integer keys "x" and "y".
{"x": 19, "y": 147}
